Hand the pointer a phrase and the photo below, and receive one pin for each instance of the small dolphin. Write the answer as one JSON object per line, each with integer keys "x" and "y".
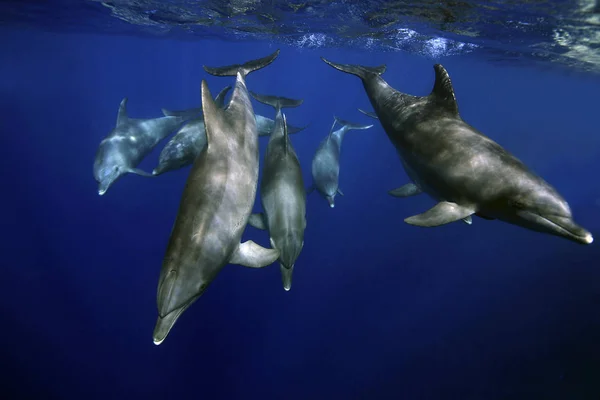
{"x": 326, "y": 161}
{"x": 185, "y": 146}
{"x": 216, "y": 203}
{"x": 282, "y": 192}
{"x": 188, "y": 142}
{"x": 458, "y": 166}
{"x": 127, "y": 144}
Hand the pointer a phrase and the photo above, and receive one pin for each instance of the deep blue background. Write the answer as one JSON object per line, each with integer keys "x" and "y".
{"x": 378, "y": 309}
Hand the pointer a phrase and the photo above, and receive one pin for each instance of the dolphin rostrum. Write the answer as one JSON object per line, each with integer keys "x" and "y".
{"x": 216, "y": 203}
{"x": 326, "y": 161}
{"x": 282, "y": 192}
{"x": 463, "y": 170}
{"x": 127, "y": 144}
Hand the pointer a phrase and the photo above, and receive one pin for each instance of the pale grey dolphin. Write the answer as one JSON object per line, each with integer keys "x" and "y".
{"x": 458, "y": 166}
{"x": 216, "y": 203}
{"x": 282, "y": 192}
{"x": 127, "y": 144}
{"x": 326, "y": 161}
{"x": 186, "y": 144}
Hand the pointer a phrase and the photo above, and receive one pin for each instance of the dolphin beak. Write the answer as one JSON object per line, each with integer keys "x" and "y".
{"x": 286, "y": 276}
{"x": 561, "y": 226}
{"x": 165, "y": 324}
{"x": 331, "y": 202}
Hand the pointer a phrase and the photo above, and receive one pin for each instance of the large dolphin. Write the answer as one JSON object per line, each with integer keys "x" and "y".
{"x": 326, "y": 161}
{"x": 216, "y": 203}
{"x": 463, "y": 170}
{"x": 188, "y": 142}
{"x": 127, "y": 144}
{"x": 282, "y": 192}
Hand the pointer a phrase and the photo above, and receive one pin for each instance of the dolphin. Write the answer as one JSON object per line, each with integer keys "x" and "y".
{"x": 216, "y": 203}
{"x": 401, "y": 192}
{"x": 326, "y": 161}
{"x": 282, "y": 192}
{"x": 127, "y": 144}
{"x": 462, "y": 169}
{"x": 184, "y": 147}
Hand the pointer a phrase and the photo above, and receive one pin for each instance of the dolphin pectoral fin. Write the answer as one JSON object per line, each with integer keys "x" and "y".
{"x": 442, "y": 213}
{"x": 138, "y": 171}
{"x": 257, "y": 220}
{"x": 250, "y": 254}
{"x": 369, "y": 113}
{"x": 468, "y": 220}
{"x": 410, "y": 189}
{"x": 340, "y": 192}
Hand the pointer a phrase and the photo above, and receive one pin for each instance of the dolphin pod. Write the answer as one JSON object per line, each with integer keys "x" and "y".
{"x": 465, "y": 172}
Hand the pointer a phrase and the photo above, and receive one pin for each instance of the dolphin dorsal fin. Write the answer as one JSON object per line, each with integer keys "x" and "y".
{"x": 122, "y": 115}
{"x": 443, "y": 91}
{"x": 211, "y": 113}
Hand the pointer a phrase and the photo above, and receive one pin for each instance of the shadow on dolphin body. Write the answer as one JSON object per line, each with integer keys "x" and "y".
{"x": 462, "y": 169}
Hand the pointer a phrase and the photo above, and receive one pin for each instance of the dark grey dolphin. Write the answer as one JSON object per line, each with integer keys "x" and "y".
{"x": 216, "y": 203}
{"x": 185, "y": 146}
{"x": 127, "y": 144}
{"x": 326, "y": 161}
{"x": 458, "y": 166}
{"x": 282, "y": 192}
{"x": 188, "y": 142}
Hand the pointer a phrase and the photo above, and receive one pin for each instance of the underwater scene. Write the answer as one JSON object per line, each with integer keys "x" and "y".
{"x": 263, "y": 199}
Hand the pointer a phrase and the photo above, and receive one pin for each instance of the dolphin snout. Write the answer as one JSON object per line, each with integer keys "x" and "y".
{"x": 573, "y": 231}
{"x": 331, "y": 201}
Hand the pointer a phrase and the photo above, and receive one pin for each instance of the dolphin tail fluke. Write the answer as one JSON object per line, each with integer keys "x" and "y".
{"x": 361, "y": 71}
{"x": 351, "y": 125}
{"x": 275, "y": 101}
{"x": 369, "y": 113}
{"x": 244, "y": 69}
{"x": 294, "y": 129}
{"x": 192, "y": 112}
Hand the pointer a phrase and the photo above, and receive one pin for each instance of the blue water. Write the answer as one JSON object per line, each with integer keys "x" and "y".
{"x": 378, "y": 309}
